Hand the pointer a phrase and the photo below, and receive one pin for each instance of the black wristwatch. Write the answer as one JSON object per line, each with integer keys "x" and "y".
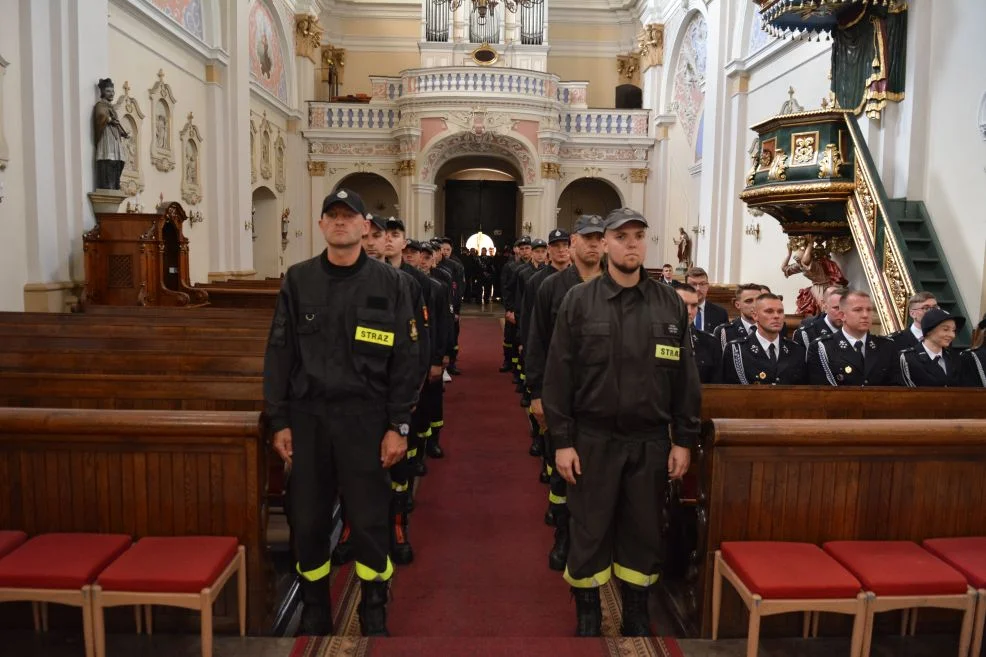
{"x": 402, "y": 429}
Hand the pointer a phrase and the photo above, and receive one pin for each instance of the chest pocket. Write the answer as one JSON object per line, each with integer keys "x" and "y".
{"x": 374, "y": 333}
{"x": 596, "y": 343}
{"x": 665, "y": 347}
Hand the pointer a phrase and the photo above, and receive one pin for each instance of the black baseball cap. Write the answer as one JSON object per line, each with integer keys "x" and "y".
{"x": 936, "y": 316}
{"x": 393, "y": 223}
{"x": 427, "y": 247}
{"x": 348, "y": 198}
{"x": 445, "y": 240}
{"x": 377, "y": 221}
{"x": 523, "y": 241}
{"x": 558, "y": 235}
{"x": 621, "y": 217}
{"x": 413, "y": 245}
{"x": 587, "y": 224}
{"x": 539, "y": 244}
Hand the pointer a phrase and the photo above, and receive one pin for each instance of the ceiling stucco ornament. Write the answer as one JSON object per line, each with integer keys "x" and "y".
{"x": 480, "y": 122}
{"x": 487, "y": 143}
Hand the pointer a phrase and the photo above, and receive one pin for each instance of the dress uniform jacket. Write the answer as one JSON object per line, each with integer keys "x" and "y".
{"x": 419, "y": 295}
{"x": 974, "y": 367}
{"x": 542, "y": 325}
{"x": 636, "y": 372}
{"x": 442, "y": 278}
{"x": 345, "y": 335}
{"x": 712, "y": 316}
{"x": 746, "y": 362}
{"x": 832, "y": 360}
{"x": 734, "y": 330}
{"x": 905, "y": 339}
{"x": 814, "y": 328}
{"x": 457, "y": 272}
{"x": 918, "y": 370}
{"x": 508, "y": 275}
{"x": 708, "y": 356}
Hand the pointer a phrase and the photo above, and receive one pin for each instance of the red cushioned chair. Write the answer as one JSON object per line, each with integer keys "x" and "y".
{"x": 968, "y": 556}
{"x": 777, "y": 578}
{"x": 179, "y": 571}
{"x": 60, "y": 568}
{"x": 901, "y": 575}
{"x": 10, "y": 540}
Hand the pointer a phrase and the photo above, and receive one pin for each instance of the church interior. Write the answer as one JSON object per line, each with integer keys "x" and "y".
{"x": 163, "y": 164}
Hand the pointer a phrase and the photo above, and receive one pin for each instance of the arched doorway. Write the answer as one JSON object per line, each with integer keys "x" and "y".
{"x": 266, "y": 234}
{"x": 378, "y": 195}
{"x": 478, "y": 193}
{"x": 586, "y": 196}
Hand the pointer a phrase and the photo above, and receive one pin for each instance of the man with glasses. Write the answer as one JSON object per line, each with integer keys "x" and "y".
{"x": 917, "y": 306}
{"x": 709, "y": 315}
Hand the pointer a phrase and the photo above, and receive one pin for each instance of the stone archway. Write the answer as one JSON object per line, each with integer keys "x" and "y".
{"x": 470, "y": 143}
{"x": 377, "y": 193}
{"x": 478, "y": 192}
{"x": 586, "y": 196}
{"x": 266, "y": 234}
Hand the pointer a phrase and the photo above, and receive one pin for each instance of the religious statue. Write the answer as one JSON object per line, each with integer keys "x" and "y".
{"x": 684, "y": 244}
{"x": 109, "y": 136}
{"x": 817, "y": 267}
{"x": 191, "y": 170}
{"x": 161, "y": 131}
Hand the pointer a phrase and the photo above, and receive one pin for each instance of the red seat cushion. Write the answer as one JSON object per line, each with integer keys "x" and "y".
{"x": 798, "y": 571}
{"x": 897, "y": 568}
{"x": 60, "y": 561}
{"x": 9, "y": 540}
{"x": 966, "y": 555}
{"x": 174, "y": 564}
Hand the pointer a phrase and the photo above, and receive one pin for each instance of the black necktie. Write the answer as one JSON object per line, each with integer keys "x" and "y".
{"x": 859, "y": 348}
{"x": 772, "y": 352}
{"x": 940, "y": 362}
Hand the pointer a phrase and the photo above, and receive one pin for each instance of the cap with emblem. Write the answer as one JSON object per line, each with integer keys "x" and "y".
{"x": 413, "y": 245}
{"x": 557, "y": 235}
{"x": 619, "y": 218}
{"x": 539, "y": 244}
{"x": 427, "y": 247}
{"x": 393, "y": 223}
{"x": 523, "y": 241}
{"x": 936, "y": 316}
{"x": 588, "y": 224}
{"x": 348, "y": 198}
{"x": 377, "y": 221}
{"x": 445, "y": 240}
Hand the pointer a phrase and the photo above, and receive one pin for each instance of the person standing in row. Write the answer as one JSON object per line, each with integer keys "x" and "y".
{"x": 586, "y": 253}
{"x": 457, "y": 272}
{"x": 436, "y": 396}
{"x": 619, "y": 385}
{"x": 764, "y": 357}
{"x": 508, "y": 275}
{"x": 974, "y": 361}
{"x": 340, "y": 380}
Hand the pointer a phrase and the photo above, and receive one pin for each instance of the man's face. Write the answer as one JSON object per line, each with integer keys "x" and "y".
{"x": 342, "y": 226}
{"x": 483, "y": 252}
{"x": 626, "y": 246}
{"x": 374, "y": 241}
{"x": 394, "y": 243}
{"x": 691, "y": 302}
{"x": 666, "y": 271}
{"x": 559, "y": 253}
{"x": 588, "y": 248}
{"x": 411, "y": 257}
{"x": 109, "y": 93}
{"x": 446, "y": 250}
{"x": 833, "y": 310}
{"x": 856, "y": 311}
{"x": 539, "y": 255}
{"x": 436, "y": 257}
{"x": 917, "y": 310}
{"x": 769, "y": 315}
{"x": 701, "y": 285}
{"x": 426, "y": 262}
{"x": 525, "y": 253}
{"x": 746, "y": 303}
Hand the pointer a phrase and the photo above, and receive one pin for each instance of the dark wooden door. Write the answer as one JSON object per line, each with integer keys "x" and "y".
{"x": 487, "y": 205}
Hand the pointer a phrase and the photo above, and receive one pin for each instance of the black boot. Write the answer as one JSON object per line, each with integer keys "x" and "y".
{"x": 544, "y": 477}
{"x": 316, "y": 611}
{"x": 588, "y": 612}
{"x": 550, "y": 516}
{"x": 432, "y": 447}
{"x": 400, "y": 547}
{"x": 558, "y": 556}
{"x": 536, "y": 449}
{"x": 636, "y": 619}
{"x": 373, "y": 608}
{"x": 343, "y": 553}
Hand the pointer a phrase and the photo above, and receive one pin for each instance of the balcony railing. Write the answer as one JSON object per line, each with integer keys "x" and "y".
{"x": 629, "y": 123}
{"x": 351, "y": 116}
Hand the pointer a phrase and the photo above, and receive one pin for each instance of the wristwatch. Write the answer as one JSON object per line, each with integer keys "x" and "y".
{"x": 402, "y": 429}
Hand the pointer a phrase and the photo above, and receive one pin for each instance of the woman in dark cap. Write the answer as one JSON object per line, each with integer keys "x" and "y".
{"x": 974, "y": 361}
{"x": 932, "y": 362}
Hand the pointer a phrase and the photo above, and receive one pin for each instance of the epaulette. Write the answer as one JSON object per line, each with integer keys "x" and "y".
{"x": 721, "y": 326}
{"x": 739, "y": 340}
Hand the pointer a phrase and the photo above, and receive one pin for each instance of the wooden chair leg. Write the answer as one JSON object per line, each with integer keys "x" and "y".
{"x": 914, "y": 622}
{"x": 979, "y": 625}
{"x": 138, "y": 619}
{"x": 87, "y": 630}
{"x": 44, "y": 616}
{"x": 716, "y": 595}
{"x": 206, "y": 610}
{"x": 149, "y": 619}
{"x": 36, "y": 611}
{"x": 806, "y": 625}
{"x": 753, "y": 633}
{"x": 814, "y": 624}
{"x": 98, "y": 622}
{"x": 867, "y": 630}
{"x": 965, "y": 636}
{"x": 905, "y": 617}
{"x": 241, "y": 590}
{"x": 858, "y": 626}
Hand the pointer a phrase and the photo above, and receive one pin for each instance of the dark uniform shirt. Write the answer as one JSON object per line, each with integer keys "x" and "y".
{"x": 811, "y": 330}
{"x": 508, "y": 275}
{"x": 524, "y": 277}
{"x": 708, "y": 355}
{"x": 748, "y": 363}
{"x": 542, "y": 324}
{"x": 905, "y": 339}
{"x": 974, "y": 367}
{"x": 433, "y": 333}
{"x": 457, "y": 273}
{"x": 620, "y": 359}
{"x": 527, "y": 302}
{"x": 419, "y": 302}
{"x": 916, "y": 369}
{"x": 833, "y": 360}
{"x": 734, "y": 330}
{"x": 342, "y": 335}
{"x": 445, "y": 280}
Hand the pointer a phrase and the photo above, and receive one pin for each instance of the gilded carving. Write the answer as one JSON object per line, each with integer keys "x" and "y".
{"x": 866, "y": 203}
{"x": 307, "y": 36}
{"x": 162, "y": 122}
{"x": 406, "y": 167}
{"x": 316, "y": 169}
{"x": 778, "y": 168}
{"x": 191, "y": 163}
{"x": 639, "y": 175}
{"x": 834, "y": 191}
{"x": 767, "y": 153}
{"x": 804, "y": 148}
{"x": 628, "y": 69}
{"x": 650, "y": 43}
{"x": 132, "y": 178}
{"x": 894, "y": 276}
{"x": 755, "y": 161}
{"x": 828, "y": 166}
{"x": 550, "y": 170}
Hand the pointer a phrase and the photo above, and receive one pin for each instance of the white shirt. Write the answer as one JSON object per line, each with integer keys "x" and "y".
{"x": 853, "y": 340}
{"x": 916, "y": 330}
{"x": 832, "y": 329}
{"x": 932, "y": 355}
{"x": 765, "y": 343}
{"x": 750, "y": 328}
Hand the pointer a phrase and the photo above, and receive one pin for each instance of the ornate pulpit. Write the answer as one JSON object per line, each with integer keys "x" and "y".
{"x": 139, "y": 260}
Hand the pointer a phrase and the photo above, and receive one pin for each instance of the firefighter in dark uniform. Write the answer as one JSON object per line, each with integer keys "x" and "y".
{"x": 539, "y": 253}
{"x": 825, "y": 324}
{"x": 917, "y": 306}
{"x": 764, "y": 357}
{"x": 619, "y": 385}
{"x": 436, "y": 395}
{"x": 933, "y": 362}
{"x": 340, "y": 380}
{"x": 508, "y": 287}
{"x": 974, "y": 362}
{"x": 458, "y": 273}
{"x": 852, "y": 356}
{"x": 586, "y": 252}
{"x": 708, "y": 351}
{"x": 744, "y": 301}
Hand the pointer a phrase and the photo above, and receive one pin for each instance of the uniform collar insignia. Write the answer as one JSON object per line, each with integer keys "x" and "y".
{"x": 871, "y": 344}
{"x": 673, "y": 329}
{"x": 784, "y": 348}
{"x": 843, "y": 344}
{"x": 754, "y": 348}
{"x": 762, "y": 376}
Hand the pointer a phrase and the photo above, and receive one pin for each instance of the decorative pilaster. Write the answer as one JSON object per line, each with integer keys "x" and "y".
{"x": 551, "y": 171}
{"x": 639, "y": 175}
{"x": 307, "y": 37}
{"x": 534, "y": 222}
{"x": 316, "y": 169}
{"x": 423, "y": 199}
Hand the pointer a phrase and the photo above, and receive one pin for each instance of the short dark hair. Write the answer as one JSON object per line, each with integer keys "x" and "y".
{"x": 920, "y": 297}
{"x": 696, "y": 272}
{"x": 770, "y": 295}
{"x": 685, "y": 287}
{"x": 840, "y": 290}
{"x": 665, "y": 265}
{"x": 746, "y": 287}
{"x": 104, "y": 83}
{"x": 766, "y": 287}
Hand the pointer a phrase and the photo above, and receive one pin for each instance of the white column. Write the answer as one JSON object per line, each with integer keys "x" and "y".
{"x": 657, "y": 196}
{"x": 424, "y": 203}
{"x": 318, "y": 188}
{"x": 531, "y": 212}
{"x": 707, "y": 247}
{"x": 549, "y": 207}
{"x": 298, "y": 195}
{"x": 237, "y": 173}
{"x": 732, "y": 170}
{"x": 406, "y": 197}
{"x": 63, "y": 54}
{"x": 219, "y": 220}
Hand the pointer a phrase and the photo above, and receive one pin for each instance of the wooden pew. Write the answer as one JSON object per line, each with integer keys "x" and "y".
{"x": 144, "y": 473}
{"x": 43, "y": 359}
{"x": 238, "y": 297}
{"x": 845, "y": 479}
{"x": 230, "y": 345}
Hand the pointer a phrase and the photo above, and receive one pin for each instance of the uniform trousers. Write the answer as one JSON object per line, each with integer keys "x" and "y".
{"x": 338, "y": 452}
{"x": 510, "y": 344}
{"x": 616, "y": 508}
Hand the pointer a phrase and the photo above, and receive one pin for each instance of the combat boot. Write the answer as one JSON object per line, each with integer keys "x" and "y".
{"x": 588, "y": 611}
{"x": 316, "y": 610}
{"x": 343, "y": 552}
{"x": 373, "y": 608}
{"x": 636, "y": 619}
{"x": 558, "y": 556}
{"x": 400, "y": 548}
{"x": 432, "y": 448}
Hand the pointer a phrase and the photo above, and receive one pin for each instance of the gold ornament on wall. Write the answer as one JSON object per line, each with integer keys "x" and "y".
{"x": 778, "y": 168}
{"x": 406, "y": 167}
{"x": 650, "y": 44}
{"x": 550, "y": 170}
{"x": 307, "y": 36}
{"x": 804, "y": 146}
{"x": 628, "y": 68}
{"x": 639, "y": 175}
{"x": 828, "y": 166}
{"x": 316, "y": 169}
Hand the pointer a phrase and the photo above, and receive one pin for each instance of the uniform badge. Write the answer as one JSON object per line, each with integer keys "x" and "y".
{"x": 872, "y": 345}
{"x": 673, "y": 329}
{"x": 784, "y": 348}
{"x": 342, "y": 194}
{"x": 754, "y": 349}
{"x": 848, "y": 369}
{"x": 412, "y": 330}
{"x": 843, "y": 344}
{"x": 762, "y": 376}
